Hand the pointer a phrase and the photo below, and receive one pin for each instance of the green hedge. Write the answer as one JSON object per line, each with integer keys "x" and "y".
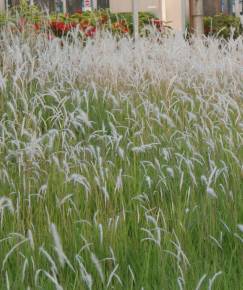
{"x": 222, "y": 26}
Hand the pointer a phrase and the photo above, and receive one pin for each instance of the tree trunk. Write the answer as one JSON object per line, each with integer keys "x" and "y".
{"x": 196, "y": 8}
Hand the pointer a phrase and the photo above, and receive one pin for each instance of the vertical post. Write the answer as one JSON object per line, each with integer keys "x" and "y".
{"x": 183, "y": 14}
{"x": 135, "y": 19}
{"x": 6, "y": 6}
{"x": 163, "y": 10}
{"x": 218, "y": 7}
{"x": 64, "y": 3}
{"x": 2, "y": 5}
{"x": 241, "y": 13}
{"x": 197, "y": 25}
{"x": 94, "y": 4}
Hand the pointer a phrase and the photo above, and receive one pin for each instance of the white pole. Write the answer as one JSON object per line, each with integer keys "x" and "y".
{"x": 135, "y": 19}
{"x": 184, "y": 13}
{"x": 2, "y": 5}
{"x": 64, "y": 4}
{"x": 95, "y": 4}
{"x": 164, "y": 18}
{"x": 241, "y": 13}
{"x": 6, "y": 6}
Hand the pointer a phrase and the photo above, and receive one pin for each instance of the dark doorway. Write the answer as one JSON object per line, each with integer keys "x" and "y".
{"x": 74, "y": 5}
{"x": 103, "y": 4}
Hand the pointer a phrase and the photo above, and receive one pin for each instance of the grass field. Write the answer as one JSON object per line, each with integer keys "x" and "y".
{"x": 121, "y": 165}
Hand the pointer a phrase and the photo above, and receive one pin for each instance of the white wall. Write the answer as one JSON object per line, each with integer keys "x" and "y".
{"x": 238, "y": 7}
{"x": 153, "y": 6}
{"x": 2, "y": 5}
{"x": 172, "y": 11}
{"x": 238, "y": 10}
{"x": 176, "y": 13}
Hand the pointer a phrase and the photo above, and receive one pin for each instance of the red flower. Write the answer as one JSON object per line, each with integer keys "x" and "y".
{"x": 121, "y": 26}
{"x": 36, "y": 27}
{"x": 61, "y": 27}
{"x": 157, "y": 23}
{"x": 90, "y": 31}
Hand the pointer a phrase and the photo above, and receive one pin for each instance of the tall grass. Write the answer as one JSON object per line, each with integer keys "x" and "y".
{"x": 121, "y": 165}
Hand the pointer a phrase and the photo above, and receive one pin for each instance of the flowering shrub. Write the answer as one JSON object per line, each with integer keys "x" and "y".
{"x": 158, "y": 24}
{"x": 87, "y": 23}
{"x": 120, "y": 26}
{"x": 60, "y": 28}
{"x": 121, "y": 23}
{"x": 90, "y": 31}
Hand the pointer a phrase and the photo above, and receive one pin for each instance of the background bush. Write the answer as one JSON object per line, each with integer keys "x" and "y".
{"x": 31, "y": 18}
{"x": 222, "y": 26}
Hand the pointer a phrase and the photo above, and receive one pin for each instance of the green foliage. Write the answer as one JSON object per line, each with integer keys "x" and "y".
{"x": 222, "y": 26}
{"x": 94, "y": 17}
{"x": 116, "y": 22}
{"x": 30, "y": 13}
{"x": 3, "y": 18}
{"x": 145, "y": 18}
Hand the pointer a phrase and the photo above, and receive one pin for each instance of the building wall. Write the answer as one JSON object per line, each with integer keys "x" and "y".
{"x": 153, "y": 6}
{"x": 171, "y": 11}
{"x": 238, "y": 8}
{"x": 73, "y": 5}
{"x": 176, "y": 13}
{"x": 227, "y": 6}
{"x": 2, "y": 5}
{"x": 212, "y": 7}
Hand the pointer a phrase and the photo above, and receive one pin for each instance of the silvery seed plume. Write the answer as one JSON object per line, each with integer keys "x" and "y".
{"x": 98, "y": 267}
{"x": 59, "y": 249}
{"x": 7, "y": 203}
{"x": 87, "y": 278}
{"x": 240, "y": 227}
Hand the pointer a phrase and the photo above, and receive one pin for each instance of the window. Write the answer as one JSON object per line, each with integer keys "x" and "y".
{"x": 102, "y": 4}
